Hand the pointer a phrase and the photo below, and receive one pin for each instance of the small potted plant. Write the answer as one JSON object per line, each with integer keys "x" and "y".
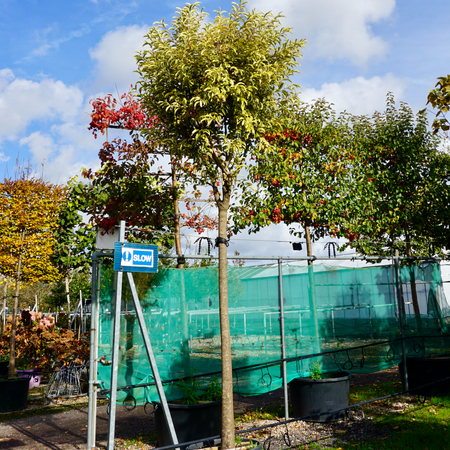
{"x": 196, "y": 416}
{"x": 314, "y": 397}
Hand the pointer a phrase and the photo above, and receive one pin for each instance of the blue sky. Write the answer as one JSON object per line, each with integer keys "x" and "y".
{"x": 57, "y": 55}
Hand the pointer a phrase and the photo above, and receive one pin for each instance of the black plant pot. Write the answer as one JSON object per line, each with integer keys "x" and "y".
{"x": 4, "y": 369}
{"x": 423, "y": 371}
{"x": 311, "y": 397}
{"x": 13, "y": 394}
{"x": 191, "y": 422}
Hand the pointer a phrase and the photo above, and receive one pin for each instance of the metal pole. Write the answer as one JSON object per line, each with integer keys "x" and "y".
{"x": 151, "y": 358}
{"x": 115, "y": 353}
{"x": 302, "y": 258}
{"x": 400, "y": 319}
{"x": 81, "y": 312}
{"x": 283, "y": 337}
{"x": 92, "y": 408}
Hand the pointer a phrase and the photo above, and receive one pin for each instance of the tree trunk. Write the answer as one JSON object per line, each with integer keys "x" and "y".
{"x": 177, "y": 214}
{"x": 5, "y": 294}
{"x": 312, "y": 293}
{"x": 415, "y": 300}
{"x": 227, "y": 371}
{"x": 180, "y": 265}
{"x": 308, "y": 244}
{"x": 12, "y": 340}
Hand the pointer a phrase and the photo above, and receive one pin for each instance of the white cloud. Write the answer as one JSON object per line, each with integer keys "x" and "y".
{"x": 61, "y": 156}
{"x": 40, "y": 145}
{"x": 6, "y": 76}
{"x": 358, "y": 95}
{"x": 114, "y": 56}
{"x": 334, "y": 29}
{"x": 24, "y": 101}
{"x": 47, "y": 44}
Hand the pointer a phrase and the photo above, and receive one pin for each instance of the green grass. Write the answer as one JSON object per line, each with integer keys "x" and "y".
{"x": 138, "y": 441}
{"x": 271, "y": 412}
{"x": 424, "y": 426}
{"x": 364, "y": 393}
{"x": 421, "y": 426}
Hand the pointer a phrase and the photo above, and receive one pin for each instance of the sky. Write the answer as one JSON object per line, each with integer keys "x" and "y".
{"x": 57, "y": 55}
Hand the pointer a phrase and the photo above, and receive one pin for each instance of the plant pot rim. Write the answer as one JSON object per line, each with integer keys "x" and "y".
{"x": 216, "y": 445}
{"x": 2, "y": 380}
{"x": 428, "y": 358}
{"x": 330, "y": 377}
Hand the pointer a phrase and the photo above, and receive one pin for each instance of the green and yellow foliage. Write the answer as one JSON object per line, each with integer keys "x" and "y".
{"x": 28, "y": 218}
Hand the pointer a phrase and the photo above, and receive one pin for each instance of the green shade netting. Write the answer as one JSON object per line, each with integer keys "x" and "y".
{"x": 326, "y": 308}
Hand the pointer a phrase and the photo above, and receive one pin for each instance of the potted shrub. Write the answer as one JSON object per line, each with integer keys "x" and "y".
{"x": 196, "y": 416}
{"x": 39, "y": 343}
{"x": 312, "y": 397}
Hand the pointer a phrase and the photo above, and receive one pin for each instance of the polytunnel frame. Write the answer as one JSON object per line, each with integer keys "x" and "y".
{"x": 96, "y": 262}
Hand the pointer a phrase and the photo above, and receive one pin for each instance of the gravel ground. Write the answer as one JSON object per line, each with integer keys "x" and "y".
{"x": 68, "y": 430}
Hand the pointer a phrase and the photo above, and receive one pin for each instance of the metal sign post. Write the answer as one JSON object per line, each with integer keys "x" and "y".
{"x": 92, "y": 408}
{"x": 115, "y": 353}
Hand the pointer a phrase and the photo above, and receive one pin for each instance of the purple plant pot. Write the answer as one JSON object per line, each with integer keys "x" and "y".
{"x": 34, "y": 375}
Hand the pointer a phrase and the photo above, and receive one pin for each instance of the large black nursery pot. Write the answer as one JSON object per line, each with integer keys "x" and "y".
{"x": 13, "y": 394}
{"x": 191, "y": 422}
{"x": 310, "y": 397}
{"x": 4, "y": 369}
{"x": 425, "y": 370}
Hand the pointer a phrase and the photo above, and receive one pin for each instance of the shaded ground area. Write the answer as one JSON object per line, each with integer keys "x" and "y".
{"x": 68, "y": 429}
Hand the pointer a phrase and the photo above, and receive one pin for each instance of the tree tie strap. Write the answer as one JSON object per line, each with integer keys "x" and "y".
{"x": 221, "y": 240}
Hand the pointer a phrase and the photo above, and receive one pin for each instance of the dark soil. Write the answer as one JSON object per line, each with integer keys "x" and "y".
{"x": 68, "y": 429}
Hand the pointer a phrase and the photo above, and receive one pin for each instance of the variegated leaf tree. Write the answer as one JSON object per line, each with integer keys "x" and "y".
{"x": 217, "y": 87}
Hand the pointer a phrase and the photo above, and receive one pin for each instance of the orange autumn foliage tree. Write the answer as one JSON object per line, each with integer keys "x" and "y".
{"x": 40, "y": 342}
{"x": 29, "y": 209}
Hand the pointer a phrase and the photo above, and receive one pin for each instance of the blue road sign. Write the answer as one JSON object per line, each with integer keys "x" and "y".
{"x": 135, "y": 257}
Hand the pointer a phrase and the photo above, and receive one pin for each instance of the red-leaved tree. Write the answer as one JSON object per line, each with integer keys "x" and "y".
{"x": 132, "y": 184}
